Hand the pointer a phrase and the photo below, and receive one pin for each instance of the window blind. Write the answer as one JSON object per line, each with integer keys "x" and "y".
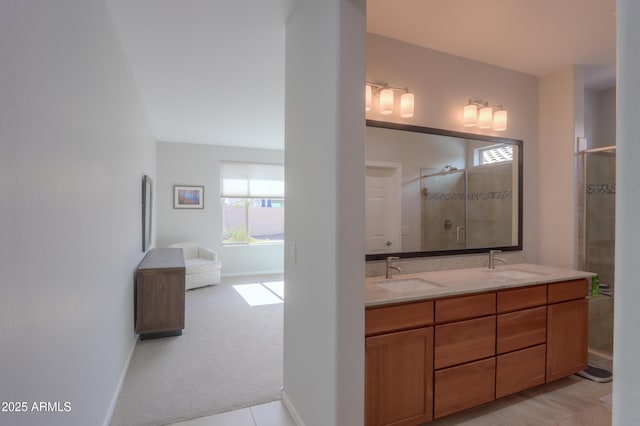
{"x": 251, "y": 180}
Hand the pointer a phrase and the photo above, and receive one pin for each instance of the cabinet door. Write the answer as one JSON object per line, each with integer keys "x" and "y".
{"x": 567, "y": 338}
{"x": 464, "y": 386}
{"x": 399, "y": 378}
{"x": 160, "y": 301}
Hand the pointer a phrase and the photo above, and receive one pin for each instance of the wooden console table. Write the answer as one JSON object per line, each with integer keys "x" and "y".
{"x": 160, "y": 294}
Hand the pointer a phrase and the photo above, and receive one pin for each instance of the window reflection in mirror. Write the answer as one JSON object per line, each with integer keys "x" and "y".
{"x": 435, "y": 192}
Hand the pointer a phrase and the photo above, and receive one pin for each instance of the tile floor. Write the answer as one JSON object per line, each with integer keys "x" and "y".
{"x": 269, "y": 414}
{"x": 571, "y": 401}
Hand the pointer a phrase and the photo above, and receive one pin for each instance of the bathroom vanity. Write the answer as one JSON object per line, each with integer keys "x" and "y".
{"x": 440, "y": 342}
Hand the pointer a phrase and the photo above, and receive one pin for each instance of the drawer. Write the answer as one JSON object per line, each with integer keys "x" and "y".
{"x": 398, "y": 317}
{"x": 464, "y": 386}
{"x": 521, "y": 298}
{"x": 520, "y": 370}
{"x": 464, "y": 341}
{"x": 465, "y": 307}
{"x": 568, "y": 290}
{"x": 521, "y": 329}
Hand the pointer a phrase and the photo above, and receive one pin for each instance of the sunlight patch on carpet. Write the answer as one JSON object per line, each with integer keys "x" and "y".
{"x": 257, "y": 294}
{"x": 277, "y": 287}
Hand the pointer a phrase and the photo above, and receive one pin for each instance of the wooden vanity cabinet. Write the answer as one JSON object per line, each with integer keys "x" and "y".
{"x": 399, "y": 364}
{"x": 567, "y": 328}
{"x": 429, "y": 359}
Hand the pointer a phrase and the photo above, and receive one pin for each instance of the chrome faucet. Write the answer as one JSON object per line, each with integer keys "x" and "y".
{"x": 388, "y": 273}
{"x": 493, "y": 258}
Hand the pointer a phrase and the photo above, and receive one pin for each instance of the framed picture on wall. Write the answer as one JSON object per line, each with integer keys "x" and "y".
{"x": 188, "y": 197}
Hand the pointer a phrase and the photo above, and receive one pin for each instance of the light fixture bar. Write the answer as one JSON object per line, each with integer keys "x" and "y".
{"x": 480, "y": 113}
{"x": 387, "y": 101}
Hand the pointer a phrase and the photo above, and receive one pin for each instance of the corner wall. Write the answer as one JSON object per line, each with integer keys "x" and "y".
{"x": 193, "y": 164}
{"x": 561, "y": 122}
{"x": 626, "y": 345}
{"x": 324, "y": 230}
{"x": 74, "y": 146}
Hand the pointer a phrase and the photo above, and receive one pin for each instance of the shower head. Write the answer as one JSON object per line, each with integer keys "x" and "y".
{"x": 449, "y": 168}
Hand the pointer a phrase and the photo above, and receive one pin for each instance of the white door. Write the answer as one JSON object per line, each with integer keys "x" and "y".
{"x": 383, "y": 208}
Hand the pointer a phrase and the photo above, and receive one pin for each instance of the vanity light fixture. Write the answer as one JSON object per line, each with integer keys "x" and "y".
{"x": 385, "y": 93}
{"x": 479, "y": 113}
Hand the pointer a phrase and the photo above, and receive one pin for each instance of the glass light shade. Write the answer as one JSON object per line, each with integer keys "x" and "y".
{"x": 485, "y": 118}
{"x": 386, "y": 101}
{"x": 470, "y": 115}
{"x": 406, "y": 105}
{"x": 500, "y": 120}
{"x": 367, "y": 97}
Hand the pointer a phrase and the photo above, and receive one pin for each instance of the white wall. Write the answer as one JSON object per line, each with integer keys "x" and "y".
{"x": 626, "y": 393}
{"x": 591, "y": 117}
{"x": 442, "y": 85}
{"x": 561, "y": 122}
{"x": 607, "y": 118}
{"x": 600, "y": 117}
{"x": 324, "y": 140}
{"x": 195, "y": 164}
{"x": 75, "y": 144}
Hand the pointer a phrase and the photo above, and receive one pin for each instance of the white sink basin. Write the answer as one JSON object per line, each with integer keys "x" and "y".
{"x": 514, "y": 273}
{"x": 406, "y": 285}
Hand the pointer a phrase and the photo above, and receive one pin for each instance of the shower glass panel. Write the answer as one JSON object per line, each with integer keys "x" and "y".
{"x": 443, "y": 207}
{"x": 468, "y": 208}
{"x": 597, "y": 241}
{"x": 599, "y": 213}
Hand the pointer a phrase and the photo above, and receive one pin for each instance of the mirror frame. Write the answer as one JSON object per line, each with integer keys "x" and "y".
{"x": 462, "y": 135}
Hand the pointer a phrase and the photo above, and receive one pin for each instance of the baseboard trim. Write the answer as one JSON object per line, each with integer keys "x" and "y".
{"x": 292, "y": 410}
{"x": 123, "y": 375}
{"x": 251, "y": 273}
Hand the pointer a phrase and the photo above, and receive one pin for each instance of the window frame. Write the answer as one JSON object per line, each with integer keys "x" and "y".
{"x": 236, "y": 171}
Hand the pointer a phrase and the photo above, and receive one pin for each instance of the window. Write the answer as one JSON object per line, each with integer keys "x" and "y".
{"x": 493, "y": 154}
{"x": 252, "y": 199}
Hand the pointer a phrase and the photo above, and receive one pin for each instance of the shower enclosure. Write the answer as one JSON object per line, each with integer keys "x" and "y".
{"x": 597, "y": 244}
{"x": 468, "y": 208}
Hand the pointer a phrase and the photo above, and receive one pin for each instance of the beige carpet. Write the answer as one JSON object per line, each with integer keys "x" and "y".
{"x": 229, "y": 356}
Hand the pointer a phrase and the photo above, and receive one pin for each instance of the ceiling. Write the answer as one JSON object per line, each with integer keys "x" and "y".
{"x": 212, "y": 71}
{"x": 533, "y": 37}
{"x": 208, "y": 71}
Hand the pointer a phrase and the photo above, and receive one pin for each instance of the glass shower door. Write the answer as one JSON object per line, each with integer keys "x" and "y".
{"x": 443, "y": 211}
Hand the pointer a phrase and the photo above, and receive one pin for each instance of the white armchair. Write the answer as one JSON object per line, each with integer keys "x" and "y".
{"x": 201, "y": 264}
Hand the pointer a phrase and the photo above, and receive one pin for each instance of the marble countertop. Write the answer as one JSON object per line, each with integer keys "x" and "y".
{"x": 409, "y": 287}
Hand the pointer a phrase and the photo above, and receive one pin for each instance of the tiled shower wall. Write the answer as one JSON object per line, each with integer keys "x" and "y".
{"x": 490, "y": 206}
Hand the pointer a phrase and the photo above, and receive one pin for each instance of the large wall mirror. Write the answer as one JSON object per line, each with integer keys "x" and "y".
{"x": 432, "y": 192}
